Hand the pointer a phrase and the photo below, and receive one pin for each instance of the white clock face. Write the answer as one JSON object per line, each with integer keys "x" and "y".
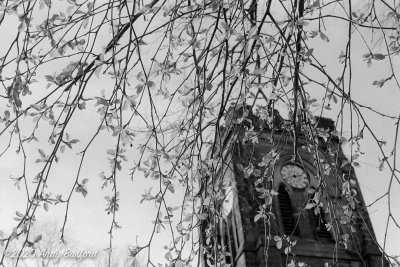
{"x": 294, "y": 175}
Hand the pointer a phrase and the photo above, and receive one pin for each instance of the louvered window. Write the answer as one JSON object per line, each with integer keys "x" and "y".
{"x": 320, "y": 224}
{"x": 287, "y": 212}
{"x": 228, "y": 242}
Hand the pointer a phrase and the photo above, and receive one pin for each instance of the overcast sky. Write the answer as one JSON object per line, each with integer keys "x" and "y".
{"x": 89, "y": 223}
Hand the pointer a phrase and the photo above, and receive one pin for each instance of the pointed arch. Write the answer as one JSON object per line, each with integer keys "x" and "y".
{"x": 287, "y": 212}
{"x": 320, "y": 224}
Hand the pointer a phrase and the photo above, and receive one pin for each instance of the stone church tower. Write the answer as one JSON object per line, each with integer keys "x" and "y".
{"x": 277, "y": 211}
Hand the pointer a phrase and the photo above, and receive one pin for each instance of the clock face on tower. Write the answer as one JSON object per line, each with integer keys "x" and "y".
{"x": 294, "y": 175}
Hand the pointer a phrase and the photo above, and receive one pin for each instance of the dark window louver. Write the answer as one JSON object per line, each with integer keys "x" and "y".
{"x": 228, "y": 239}
{"x": 232, "y": 247}
{"x": 287, "y": 213}
{"x": 320, "y": 225}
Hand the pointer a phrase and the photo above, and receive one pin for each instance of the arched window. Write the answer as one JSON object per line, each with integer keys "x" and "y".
{"x": 287, "y": 212}
{"x": 228, "y": 239}
{"x": 320, "y": 223}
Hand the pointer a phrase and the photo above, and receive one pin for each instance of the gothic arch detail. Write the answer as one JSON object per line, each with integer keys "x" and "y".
{"x": 287, "y": 212}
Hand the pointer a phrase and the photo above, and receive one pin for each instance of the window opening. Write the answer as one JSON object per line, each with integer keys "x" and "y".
{"x": 287, "y": 213}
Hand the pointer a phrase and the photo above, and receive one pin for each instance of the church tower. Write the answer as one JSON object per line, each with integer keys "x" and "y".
{"x": 287, "y": 202}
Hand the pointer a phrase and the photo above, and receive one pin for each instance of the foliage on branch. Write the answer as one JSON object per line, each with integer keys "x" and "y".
{"x": 157, "y": 85}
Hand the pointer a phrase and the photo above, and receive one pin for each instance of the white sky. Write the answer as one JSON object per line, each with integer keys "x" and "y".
{"x": 89, "y": 223}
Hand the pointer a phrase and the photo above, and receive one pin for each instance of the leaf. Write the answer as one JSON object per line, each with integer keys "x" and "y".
{"x": 90, "y": 6}
{"x": 356, "y": 164}
{"x": 150, "y": 84}
{"x": 345, "y": 163}
{"x": 323, "y": 37}
{"x": 313, "y": 34}
{"x": 42, "y": 154}
{"x": 302, "y": 22}
{"x": 85, "y": 181}
{"x": 278, "y": 241}
{"x": 252, "y": 31}
{"x": 177, "y": 239}
{"x": 273, "y": 192}
{"x": 382, "y": 164}
{"x": 344, "y": 219}
{"x": 224, "y": 25}
{"x": 85, "y": 23}
{"x": 202, "y": 216}
{"x": 140, "y": 76}
{"x": 84, "y": 192}
{"x": 240, "y": 167}
{"x": 111, "y": 152}
{"x": 21, "y": 26}
{"x": 257, "y": 217}
{"x": 46, "y": 206}
{"x": 98, "y": 69}
{"x": 309, "y": 206}
{"x": 309, "y": 52}
{"x": 311, "y": 191}
{"x": 118, "y": 165}
{"x": 168, "y": 256}
{"x": 379, "y": 83}
{"x": 378, "y": 56}
{"x": 15, "y": 96}
{"x": 37, "y": 239}
{"x": 73, "y": 141}
{"x": 316, "y": 3}
{"x": 248, "y": 171}
{"x": 139, "y": 88}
